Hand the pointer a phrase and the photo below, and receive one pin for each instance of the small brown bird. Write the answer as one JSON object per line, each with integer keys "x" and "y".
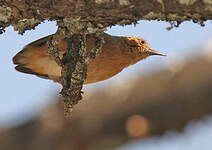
{"x": 117, "y": 53}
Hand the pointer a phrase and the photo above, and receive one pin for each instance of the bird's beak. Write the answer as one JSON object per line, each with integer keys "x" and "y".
{"x": 154, "y": 52}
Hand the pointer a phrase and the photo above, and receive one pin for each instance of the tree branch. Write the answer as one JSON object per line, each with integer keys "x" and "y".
{"x": 104, "y": 12}
{"x": 74, "y": 62}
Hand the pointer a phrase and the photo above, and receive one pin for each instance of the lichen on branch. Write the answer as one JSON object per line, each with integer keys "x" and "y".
{"x": 75, "y": 61}
{"x": 25, "y": 15}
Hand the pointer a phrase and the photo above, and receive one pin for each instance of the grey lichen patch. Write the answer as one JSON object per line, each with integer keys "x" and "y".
{"x": 124, "y": 2}
{"x": 103, "y": 1}
{"x": 5, "y": 14}
{"x": 75, "y": 26}
{"x": 124, "y": 22}
{"x": 173, "y": 17}
{"x": 25, "y": 24}
{"x": 161, "y": 16}
{"x": 187, "y": 2}
{"x": 151, "y": 15}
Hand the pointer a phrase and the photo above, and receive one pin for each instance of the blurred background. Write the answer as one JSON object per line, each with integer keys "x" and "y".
{"x": 162, "y": 103}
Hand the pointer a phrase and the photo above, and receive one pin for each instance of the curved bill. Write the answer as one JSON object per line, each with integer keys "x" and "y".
{"x": 154, "y": 52}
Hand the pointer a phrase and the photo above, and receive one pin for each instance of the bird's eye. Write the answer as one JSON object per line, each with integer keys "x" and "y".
{"x": 142, "y": 42}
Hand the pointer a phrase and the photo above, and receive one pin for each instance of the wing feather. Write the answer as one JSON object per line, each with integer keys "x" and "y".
{"x": 34, "y": 59}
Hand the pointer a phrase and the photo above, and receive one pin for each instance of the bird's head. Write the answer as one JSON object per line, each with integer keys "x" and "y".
{"x": 139, "y": 48}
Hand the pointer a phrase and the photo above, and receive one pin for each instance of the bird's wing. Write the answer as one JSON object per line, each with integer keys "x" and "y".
{"x": 34, "y": 59}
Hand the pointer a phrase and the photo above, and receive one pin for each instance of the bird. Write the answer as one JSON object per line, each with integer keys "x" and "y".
{"x": 117, "y": 53}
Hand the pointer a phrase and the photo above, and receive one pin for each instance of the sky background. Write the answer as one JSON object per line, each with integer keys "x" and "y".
{"x": 22, "y": 94}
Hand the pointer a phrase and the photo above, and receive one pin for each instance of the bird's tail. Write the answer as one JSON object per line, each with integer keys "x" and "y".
{"x": 34, "y": 59}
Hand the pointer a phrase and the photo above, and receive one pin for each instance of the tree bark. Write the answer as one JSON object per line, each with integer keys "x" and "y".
{"x": 27, "y": 14}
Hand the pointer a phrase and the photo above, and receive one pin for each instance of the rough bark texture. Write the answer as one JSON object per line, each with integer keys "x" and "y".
{"x": 25, "y": 14}
{"x": 73, "y": 72}
{"x": 152, "y": 105}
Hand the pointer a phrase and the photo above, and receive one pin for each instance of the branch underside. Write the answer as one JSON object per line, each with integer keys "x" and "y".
{"x": 74, "y": 71}
{"x": 26, "y": 14}
{"x": 74, "y": 62}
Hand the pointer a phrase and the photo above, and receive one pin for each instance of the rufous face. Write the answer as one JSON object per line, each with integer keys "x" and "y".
{"x": 140, "y": 48}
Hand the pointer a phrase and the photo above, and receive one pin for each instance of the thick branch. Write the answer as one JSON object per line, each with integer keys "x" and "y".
{"x": 74, "y": 71}
{"x": 74, "y": 62}
{"x": 103, "y": 12}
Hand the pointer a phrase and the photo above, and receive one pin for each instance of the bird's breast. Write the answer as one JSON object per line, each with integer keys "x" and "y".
{"x": 104, "y": 67}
